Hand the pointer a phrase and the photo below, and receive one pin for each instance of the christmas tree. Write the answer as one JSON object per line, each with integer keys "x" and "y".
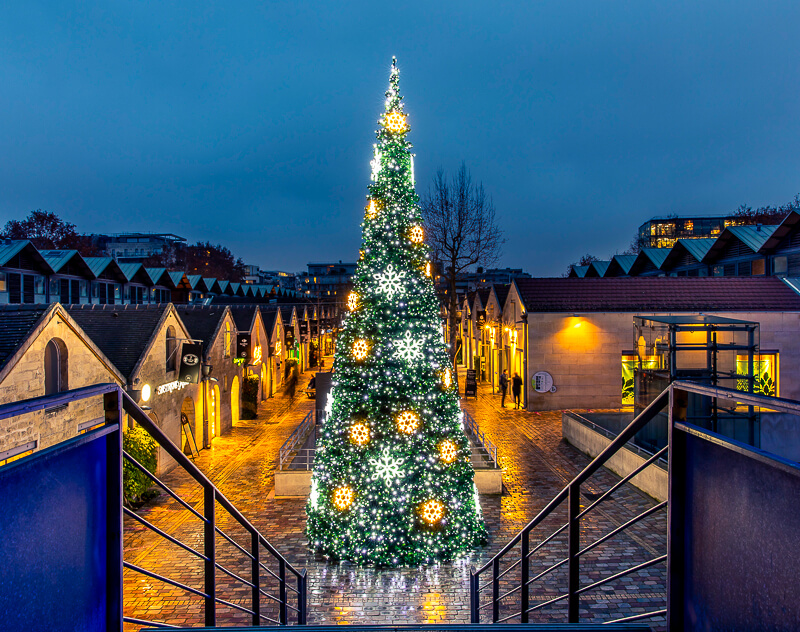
{"x": 393, "y": 482}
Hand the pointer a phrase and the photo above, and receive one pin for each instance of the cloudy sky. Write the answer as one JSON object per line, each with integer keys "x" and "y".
{"x": 251, "y": 123}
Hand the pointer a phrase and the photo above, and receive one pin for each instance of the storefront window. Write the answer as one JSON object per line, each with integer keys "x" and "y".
{"x": 765, "y": 370}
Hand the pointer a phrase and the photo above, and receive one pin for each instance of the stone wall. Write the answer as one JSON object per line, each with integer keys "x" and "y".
{"x": 26, "y": 380}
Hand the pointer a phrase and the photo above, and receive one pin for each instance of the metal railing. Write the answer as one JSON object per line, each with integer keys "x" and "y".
{"x": 485, "y": 448}
{"x": 519, "y": 548}
{"x": 290, "y": 453}
{"x": 256, "y": 552}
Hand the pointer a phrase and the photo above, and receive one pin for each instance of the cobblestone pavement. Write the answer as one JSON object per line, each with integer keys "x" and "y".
{"x": 537, "y": 466}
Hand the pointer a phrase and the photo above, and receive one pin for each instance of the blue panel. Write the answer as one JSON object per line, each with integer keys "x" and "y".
{"x": 738, "y": 565}
{"x": 54, "y": 542}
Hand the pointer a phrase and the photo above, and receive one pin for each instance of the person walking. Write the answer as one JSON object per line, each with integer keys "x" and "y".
{"x": 516, "y": 389}
{"x": 503, "y": 388}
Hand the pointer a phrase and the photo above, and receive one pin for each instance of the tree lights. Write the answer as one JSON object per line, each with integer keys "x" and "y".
{"x": 389, "y": 484}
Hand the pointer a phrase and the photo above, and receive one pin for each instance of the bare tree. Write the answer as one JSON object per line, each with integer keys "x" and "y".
{"x": 461, "y": 231}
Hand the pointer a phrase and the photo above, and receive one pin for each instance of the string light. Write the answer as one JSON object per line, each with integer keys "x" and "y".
{"x": 448, "y": 451}
{"x": 395, "y": 122}
{"x": 447, "y": 378}
{"x": 352, "y": 301}
{"x": 416, "y": 235}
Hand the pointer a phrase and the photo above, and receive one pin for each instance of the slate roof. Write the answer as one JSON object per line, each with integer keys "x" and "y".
{"x": 502, "y": 293}
{"x": 243, "y": 316}
{"x": 202, "y": 322}
{"x": 121, "y": 332}
{"x": 268, "y": 316}
{"x": 16, "y": 324}
{"x": 658, "y": 294}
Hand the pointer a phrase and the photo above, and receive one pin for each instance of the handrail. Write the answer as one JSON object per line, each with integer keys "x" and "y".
{"x": 571, "y": 494}
{"x": 297, "y": 437}
{"x": 473, "y": 428}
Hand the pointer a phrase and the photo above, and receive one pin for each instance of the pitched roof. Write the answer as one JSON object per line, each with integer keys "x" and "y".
{"x": 656, "y": 255}
{"x": 599, "y": 267}
{"x": 121, "y": 332}
{"x": 501, "y": 292}
{"x": 243, "y": 316}
{"x": 9, "y": 249}
{"x": 658, "y": 294}
{"x": 269, "y": 316}
{"x": 16, "y": 324}
{"x": 98, "y": 265}
{"x": 579, "y": 271}
{"x": 202, "y": 322}
{"x": 698, "y": 248}
{"x": 621, "y": 262}
{"x": 789, "y": 224}
{"x": 753, "y": 236}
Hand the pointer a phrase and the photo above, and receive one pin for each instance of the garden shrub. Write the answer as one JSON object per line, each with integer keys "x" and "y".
{"x": 249, "y": 397}
{"x": 141, "y": 446}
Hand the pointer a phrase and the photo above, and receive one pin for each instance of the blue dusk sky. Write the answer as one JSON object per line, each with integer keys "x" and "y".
{"x": 251, "y": 123}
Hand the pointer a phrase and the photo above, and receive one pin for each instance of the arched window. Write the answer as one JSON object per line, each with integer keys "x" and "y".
{"x": 227, "y": 340}
{"x": 171, "y": 355}
{"x": 55, "y": 367}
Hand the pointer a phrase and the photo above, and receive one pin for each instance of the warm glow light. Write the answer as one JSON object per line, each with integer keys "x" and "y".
{"x": 395, "y": 122}
{"x": 447, "y": 378}
{"x": 360, "y": 349}
{"x": 448, "y": 451}
{"x": 428, "y": 269}
{"x": 257, "y": 354}
{"x": 146, "y": 392}
{"x": 576, "y": 325}
{"x": 432, "y": 511}
{"x": 373, "y": 208}
{"x": 416, "y": 235}
{"x": 352, "y": 301}
{"x": 343, "y": 497}
{"x": 359, "y": 433}
{"x": 408, "y": 422}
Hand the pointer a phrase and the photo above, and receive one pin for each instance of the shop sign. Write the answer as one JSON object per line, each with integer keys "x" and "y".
{"x": 303, "y": 327}
{"x": 171, "y": 386}
{"x": 481, "y": 318}
{"x": 190, "y": 363}
{"x": 278, "y": 347}
{"x": 289, "y": 335}
{"x": 257, "y": 355}
{"x": 243, "y": 346}
{"x": 543, "y": 382}
{"x": 471, "y": 384}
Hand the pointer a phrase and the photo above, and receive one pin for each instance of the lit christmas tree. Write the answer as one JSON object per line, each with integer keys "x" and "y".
{"x": 393, "y": 483}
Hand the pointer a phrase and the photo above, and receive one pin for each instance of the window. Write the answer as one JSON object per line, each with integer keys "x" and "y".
{"x": 171, "y": 347}
{"x": 227, "y": 340}
{"x": 3, "y": 283}
{"x": 55, "y": 367}
{"x": 84, "y": 289}
{"x": 765, "y": 373}
{"x": 780, "y": 265}
{"x": 38, "y": 282}
{"x": 759, "y": 267}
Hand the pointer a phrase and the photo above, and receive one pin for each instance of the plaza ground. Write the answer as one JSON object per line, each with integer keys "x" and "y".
{"x": 537, "y": 464}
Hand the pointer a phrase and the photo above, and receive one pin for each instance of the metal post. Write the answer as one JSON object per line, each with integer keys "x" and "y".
{"x": 255, "y": 575}
{"x": 209, "y": 499}
{"x": 112, "y": 403}
{"x": 474, "y": 609}
{"x": 302, "y": 587}
{"x": 495, "y": 590}
{"x": 282, "y": 591}
{"x": 524, "y": 576}
{"x": 573, "y": 581}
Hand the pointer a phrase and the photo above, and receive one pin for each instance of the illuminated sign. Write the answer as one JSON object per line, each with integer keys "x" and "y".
{"x": 171, "y": 386}
{"x": 257, "y": 354}
{"x": 278, "y": 348}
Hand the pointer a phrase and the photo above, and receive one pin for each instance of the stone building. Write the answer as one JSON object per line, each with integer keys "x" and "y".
{"x": 214, "y": 325}
{"x": 43, "y": 351}
{"x": 144, "y": 343}
{"x": 580, "y": 331}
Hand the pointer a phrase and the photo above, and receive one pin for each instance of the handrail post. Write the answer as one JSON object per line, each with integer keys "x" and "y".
{"x": 209, "y": 533}
{"x": 255, "y": 576}
{"x": 523, "y": 577}
{"x": 473, "y": 596}
{"x": 302, "y": 587}
{"x": 282, "y": 591}
{"x": 495, "y": 590}
{"x": 573, "y": 579}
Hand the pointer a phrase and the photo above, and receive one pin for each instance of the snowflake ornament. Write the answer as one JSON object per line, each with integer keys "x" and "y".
{"x": 408, "y": 348}
{"x": 391, "y": 281}
{"x": 386, "y": 467}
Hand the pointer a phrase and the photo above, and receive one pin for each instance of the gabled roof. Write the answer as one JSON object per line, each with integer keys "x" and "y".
{"x": 269, "y": 317}
{"x": 203, "y": 322}
{"x": 223, "y": 286}
{"x": 194, "y": 280}
{"x": 656, "y": 255}
{"x": 620, "y": 265}
{"x": 244, "y": 317}
{"x": 57, "y": 259}
{"x": 122, "y": 332}
{"x": 597, "y": 269}
{"x": 690, "y": 246}
{"x": 10, "y": 249}
{"x": 211, "y": 284}
{"x": 658, "y": 294}
{"x": 135, "y": 273}
{"x": 790, "y": 223}
{"x": 501, "y": 292}
{"x": 17, "y": 322}
{"x": 157, "y": 274}
{"x": 579, "y": 271}
{"x": 99, "y": 265}
{"x": 753, "y": 236}
{"x": 177, "y": 278}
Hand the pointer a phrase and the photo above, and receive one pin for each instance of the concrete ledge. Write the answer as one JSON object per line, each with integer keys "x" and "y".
{"x": 653, "y": 481}
{"x": 297, "y": 483}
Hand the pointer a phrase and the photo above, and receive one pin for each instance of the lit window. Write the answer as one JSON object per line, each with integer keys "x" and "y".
{"x": 227, "y": 340}
{"x": 171, "y": 348}
{"x": 55, "y": 367}
{"x": 765, "y": 373}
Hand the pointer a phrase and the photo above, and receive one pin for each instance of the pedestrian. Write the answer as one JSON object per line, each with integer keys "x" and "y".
{"x": 503, "y": 388}
{"x": 516, "y": 388}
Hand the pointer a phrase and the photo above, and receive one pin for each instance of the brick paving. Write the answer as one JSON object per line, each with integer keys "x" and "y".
{"x": 537, "y": 465}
